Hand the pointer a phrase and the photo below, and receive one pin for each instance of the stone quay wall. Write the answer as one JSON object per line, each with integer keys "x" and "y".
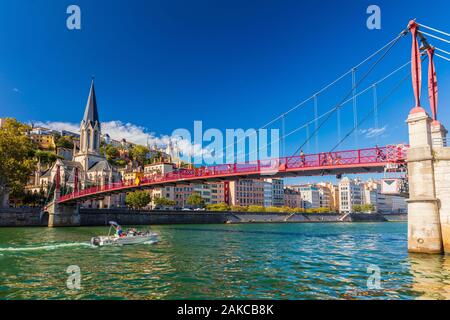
{"x": 22, "y": 217}
{"x": 32, "y": 217}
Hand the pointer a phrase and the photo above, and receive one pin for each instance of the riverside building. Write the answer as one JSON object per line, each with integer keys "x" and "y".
{"x": 350, "y": 194}
{"x": 247, "y": 192}
{"x": 309, "y": 195}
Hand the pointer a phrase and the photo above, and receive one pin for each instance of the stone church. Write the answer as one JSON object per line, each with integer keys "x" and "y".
{"x": 92, "y": 166}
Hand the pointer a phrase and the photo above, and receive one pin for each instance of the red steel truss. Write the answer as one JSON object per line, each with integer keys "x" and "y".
{"x": 352, "y": 161}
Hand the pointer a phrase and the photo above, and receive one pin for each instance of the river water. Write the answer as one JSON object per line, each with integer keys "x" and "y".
{"x": 280, "y": 261}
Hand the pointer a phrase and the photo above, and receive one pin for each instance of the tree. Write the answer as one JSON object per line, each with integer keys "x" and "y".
{"x": 112, "y": 153}
{"x": 56, "y": 135}
{"x": 238, "y": 208}
{"x": 161, "y": 201}
{"x": 357, "y": 208}
{"x": 16, "y": 157}
{"x": 274, "y": 209}
{"x": 139, "y": 154}
{"x": 46, "y": 157}
{"x": 196, "y": 200}
{"x": 64, "y": 142}
{"x": 120, "y": 162}
{"x": 256, "y": 209}
{"x": 138, "y": 199}
{"x": 218, "y": 207}
{"x": 25, "y": 198}
{"x": 297, "y": 210}
{"x": 369, "y": 207}
{"x": 318, "y": 210}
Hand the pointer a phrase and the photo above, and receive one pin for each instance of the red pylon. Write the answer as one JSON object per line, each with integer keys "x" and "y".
{"x": 416, "y": 67}
{"x": 432, "y": 85}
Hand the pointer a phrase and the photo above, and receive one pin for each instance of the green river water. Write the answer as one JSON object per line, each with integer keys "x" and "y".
{"x": 280, "y": 261}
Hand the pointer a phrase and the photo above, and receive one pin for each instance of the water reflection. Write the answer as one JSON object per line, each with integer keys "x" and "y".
{"x": 431, "y": 276}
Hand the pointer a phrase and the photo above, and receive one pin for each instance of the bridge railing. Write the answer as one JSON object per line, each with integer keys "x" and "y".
{"x": 388, "y": 154}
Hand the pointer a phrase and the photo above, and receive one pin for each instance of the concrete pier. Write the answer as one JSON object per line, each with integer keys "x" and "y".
{"x": 424, "y": 226}
{"x": 63, "y": 215}
{"x": 429, "y": 185}
{"x": 441, "y": 163}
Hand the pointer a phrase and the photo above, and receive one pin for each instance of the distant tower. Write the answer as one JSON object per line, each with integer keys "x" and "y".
{"x": 90, "y": 133}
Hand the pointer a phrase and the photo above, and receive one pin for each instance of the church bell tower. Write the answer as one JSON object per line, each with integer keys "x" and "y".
{"x": 90, "y": 133}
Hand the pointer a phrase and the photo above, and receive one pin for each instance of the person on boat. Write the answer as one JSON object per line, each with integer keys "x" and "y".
{"x": 119, "y": 232}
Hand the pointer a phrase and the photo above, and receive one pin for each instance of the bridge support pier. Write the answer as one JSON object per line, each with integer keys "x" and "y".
{"x": 63, "y": 215}
{"x": 424, "y": 226}
{"x": 441, "y": 155}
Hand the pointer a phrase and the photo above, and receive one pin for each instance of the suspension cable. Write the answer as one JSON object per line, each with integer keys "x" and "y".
{"x": 372, "y": 112}
{"x": 433, "y": 29}
{"x": 302, "y": 103}
{"x": 443, "y": 51}
{"x": 357, "y": 84}
{"x": 309, "y": 123}
{"x": 335, "y": 81}
{"x": 435, "y": 37}
{"x": 355, "y": 106}
{"x": 377, "y": 107}
{"x": 316, "y": 114}
{"x": 442, "y": 57}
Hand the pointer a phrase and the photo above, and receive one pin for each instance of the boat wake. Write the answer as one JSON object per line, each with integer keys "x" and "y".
{"x": 55, "y": 246}
{"x": 45, "y": 247}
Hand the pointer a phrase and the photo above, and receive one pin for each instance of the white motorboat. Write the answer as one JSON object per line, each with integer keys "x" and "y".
{"x": 131, "y": 236}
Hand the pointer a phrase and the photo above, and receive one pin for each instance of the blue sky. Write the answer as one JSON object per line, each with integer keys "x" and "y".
{"x": 160, "y": 65}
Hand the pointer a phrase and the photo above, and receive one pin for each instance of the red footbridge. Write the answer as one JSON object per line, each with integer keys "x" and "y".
{"x": 372, "y": 160}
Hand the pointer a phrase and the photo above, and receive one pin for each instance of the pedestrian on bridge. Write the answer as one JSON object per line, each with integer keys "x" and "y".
{"x": 302, "y": 158}
{"x": 330, "y": 159}
{"x": 323, "y": 159}
{"x": 380, "y": 154}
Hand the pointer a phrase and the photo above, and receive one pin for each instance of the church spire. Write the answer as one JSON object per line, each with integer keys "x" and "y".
{"x": 91, "y": 113}
{"x": 90, "y": 129}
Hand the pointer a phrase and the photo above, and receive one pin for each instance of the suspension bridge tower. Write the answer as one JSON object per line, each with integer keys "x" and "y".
{"x": 428, "y": 164}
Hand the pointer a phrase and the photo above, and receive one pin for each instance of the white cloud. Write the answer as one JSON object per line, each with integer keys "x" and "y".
{"x": 374, "y": 132}
{"x": 59, "y": 126}
{"x": 16, "y": 90}
{"x": 118, "y": 130}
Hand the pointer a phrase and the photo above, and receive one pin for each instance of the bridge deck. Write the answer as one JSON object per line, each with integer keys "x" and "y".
{"x": 361, "y": 161}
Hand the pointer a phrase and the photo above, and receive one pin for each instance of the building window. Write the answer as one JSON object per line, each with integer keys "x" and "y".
{"x": 95, "y": 139}
{"x": 88, "y": 139}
